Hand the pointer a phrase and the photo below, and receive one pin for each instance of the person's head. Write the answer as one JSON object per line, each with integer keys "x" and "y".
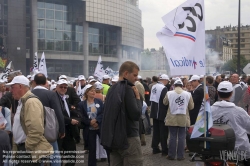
{"x": 234, "y": 79}
{"x": 12, "y": 75}
{"x": 114, "y": 80}
{"x": 189, "y": 86}
{"x": 164, "y": 79}
{"x": 2, "y": 86}
{"x": 209, "y": 80}
{"x": 19, "y": 86}
{"x": 105, "y": 79}
{"x": 155, "y": 79}
{"x": 82, "y": 79}
{"x": 195, "y": 81}
{"x": 223, "y": 77}
{"x": 89, "y": 91}
{"x": 244, "y": 78}
{"x": 53, "y": 87}
{"x": 139, "y": 78}
{"x": 225, "y": 90}
{"x": 178, "y": 83}
{"x": 99, "y": 87}
{"x": 201, "y": 78}
{"x": 29, "y": 77}
{"x": 40, "y": 79}
{"x": 92, "y": 81}
{"x": 184, "y": 80}
{"x": 62, "y": 77}
{"x": 129, "y": 70}
{"x": 218, "y": 78}
{"x": 61, "y": 87}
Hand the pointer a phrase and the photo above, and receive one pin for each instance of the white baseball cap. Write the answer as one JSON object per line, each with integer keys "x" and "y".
{"x": 53, "y": 81}
{"x": 98, "y": 86}
{"x": 62, "y": 81}
{"x": 201, "y": 76}
{"x": 194, "y": 77}
{"x": 92, "y": 80}
{"x": 225, "y": 86}
{"x": 164, "y": 77}
{"x": 105, "y": 77}
{"x": 63, "y": 77}
{"x": 19, "y": 80}
{"x": 52, "y": 87}
{"x": 86, "y": 87}
{"x": 81, "y": 77}
{"x": 49, "y": 82}
{"x": 91, "y": 77}
{"x": 178, "y": 81}
{"x": 28, "y": 76}
{"x": 115, "y": 79}
{"x": 139, "y": 77}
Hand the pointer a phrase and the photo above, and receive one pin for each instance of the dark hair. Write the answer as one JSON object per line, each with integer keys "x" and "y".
{"x": 210, "y": 79}
{"x": 248, "y": 81}
{"x": 224, "y": 94}
{"x": 244, "y": 76}
{"x": 155, "y": 79}
{"x": 177, "y": 85}
{"x": 128, "y": 66}
{"x": 40, "y": 79}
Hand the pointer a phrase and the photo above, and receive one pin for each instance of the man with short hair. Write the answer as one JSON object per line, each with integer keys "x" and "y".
{"x": 158, "y": 114}
{"x": 197, "y": 95}
{"x": 120, "y": 124}
{"x": 226, "y": 112}
{"x": 50, "y": 99}
{"x": 105, "y": 84}
{"x": 154, "y": 81}
{"x": 237, "y": 89}
{"x": 28, "y": 127}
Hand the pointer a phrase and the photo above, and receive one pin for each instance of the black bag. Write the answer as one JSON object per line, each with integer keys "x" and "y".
{"x": 75, "y": 114}
{"x": 222, "y": 137}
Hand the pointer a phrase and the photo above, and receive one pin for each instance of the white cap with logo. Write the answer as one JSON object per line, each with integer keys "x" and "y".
{"x": 98, "y": 86}
{"x": 115, "y": 79}
{"x": 81, "y": 77}
{"x": 105, "y": 77}
{"x": 63, "y": 77}
{"x": 178, "y": 81}
{"x": 194, "y": 78}
{"x": 19, "y": 80}
{"x": 62, "y": 81}
{"x": 225, "y": 86}
{"x": 164, "y": 77}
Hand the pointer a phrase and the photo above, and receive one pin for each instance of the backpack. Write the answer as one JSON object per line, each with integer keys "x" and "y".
{"x": 51, "y": 126}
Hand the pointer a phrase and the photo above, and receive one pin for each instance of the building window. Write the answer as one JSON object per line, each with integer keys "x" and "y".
{"x": 242, "y": 45}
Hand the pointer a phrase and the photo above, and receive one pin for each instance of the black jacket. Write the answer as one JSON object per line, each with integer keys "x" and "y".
{"x": 82, "y": 106}
{"x": 198, "y": 96}
{"x": 121, "y": 116}
{"x": 73, "y": 98}
{"x": 159, "y": 110}
{"x": 50, "y": 99}
{"x": 147, "y": 93}
{"x": 8, "y": 101}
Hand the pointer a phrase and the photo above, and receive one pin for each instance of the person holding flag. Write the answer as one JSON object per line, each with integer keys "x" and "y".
{"x": 177, "y": 119}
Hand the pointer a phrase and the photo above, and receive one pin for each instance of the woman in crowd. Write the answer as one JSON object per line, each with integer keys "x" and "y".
{"x": 92, "y": 113}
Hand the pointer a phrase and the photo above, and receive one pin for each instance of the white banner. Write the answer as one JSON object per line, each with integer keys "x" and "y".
{"x": 99, "y": 71}
{"x": 42, "y": 66}
{"x": 7, "y": 71}
{"x": 183, "y": 38}
{"x": 35, "y": 62}
{"x": 79, "y": 91}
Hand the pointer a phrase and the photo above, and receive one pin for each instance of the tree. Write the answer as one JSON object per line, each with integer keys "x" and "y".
{"x": 231, "y": 65}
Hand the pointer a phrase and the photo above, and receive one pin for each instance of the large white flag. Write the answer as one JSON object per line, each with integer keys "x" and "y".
{"x": 7, "y": 71}
{"x": 199, "y": 127}
{"x": 42, "y": 66}
{"x": 79, "y": 91}
{"x": 35, "y": 62}
{"x": 99, "y": 71}
{"x": 183, "y": 38}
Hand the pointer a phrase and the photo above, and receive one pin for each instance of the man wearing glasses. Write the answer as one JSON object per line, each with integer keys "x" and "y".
{"x": 197, "y": 95}
{"x": 67, "y": 143}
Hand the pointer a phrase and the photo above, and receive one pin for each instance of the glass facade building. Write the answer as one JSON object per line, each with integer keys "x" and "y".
{"x": 73, "y": 34}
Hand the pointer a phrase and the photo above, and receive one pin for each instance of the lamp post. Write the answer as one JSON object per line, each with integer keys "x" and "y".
{"x": 238, "y": 56}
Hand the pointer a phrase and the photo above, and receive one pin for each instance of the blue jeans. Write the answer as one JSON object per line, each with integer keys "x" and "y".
{"x": 55, "y": 159}
{"x": 175, "y": 132}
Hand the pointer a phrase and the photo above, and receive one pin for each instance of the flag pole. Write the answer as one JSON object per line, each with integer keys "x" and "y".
{"x": 205, "y": 112}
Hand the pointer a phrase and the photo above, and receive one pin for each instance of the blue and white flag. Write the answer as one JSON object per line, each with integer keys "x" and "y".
{"x": 99, "y": 71}
{"x": 183, "y": 38}
{"x": 42, "y": 66}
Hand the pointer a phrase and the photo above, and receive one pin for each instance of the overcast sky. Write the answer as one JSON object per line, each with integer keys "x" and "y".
{"x": 217, "y": 13}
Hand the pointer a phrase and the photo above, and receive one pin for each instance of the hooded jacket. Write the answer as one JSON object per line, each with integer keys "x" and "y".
{"x": 224, "y": 112}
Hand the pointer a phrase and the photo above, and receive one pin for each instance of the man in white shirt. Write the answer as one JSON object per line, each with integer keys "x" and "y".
{"x": 226, "y": 112}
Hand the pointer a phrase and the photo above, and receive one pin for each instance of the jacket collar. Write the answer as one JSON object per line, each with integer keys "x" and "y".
{"x": 28, "y": 93}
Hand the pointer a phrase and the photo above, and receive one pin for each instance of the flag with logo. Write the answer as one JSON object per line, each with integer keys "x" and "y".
{"x": 35, "y": 62}
{"x": 183, "y": 38}
{"x": 79, "y": 91}
{"x": 99, "y": 71}
{"x": 199, "y": 127}
{"x": 9, "y": 68}
{"x": 42, "y": 66}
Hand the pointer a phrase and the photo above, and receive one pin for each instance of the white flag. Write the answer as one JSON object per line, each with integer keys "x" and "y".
{"x": 79, "y": 91}
{"x": 42, "y": 66}
{"x": 109, "y": 71}
{"x": 7, "y": 71}
{"x": 183, "y": 38}
{"x": 35, "y": 63}
{"x": 199, "y": 126}
{"x": 99, "y": 71}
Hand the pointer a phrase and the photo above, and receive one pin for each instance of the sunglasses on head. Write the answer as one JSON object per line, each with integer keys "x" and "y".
{"x": 63, "y": 87}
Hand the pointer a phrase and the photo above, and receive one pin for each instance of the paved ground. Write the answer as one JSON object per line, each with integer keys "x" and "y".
{"x": 149, "y": 158}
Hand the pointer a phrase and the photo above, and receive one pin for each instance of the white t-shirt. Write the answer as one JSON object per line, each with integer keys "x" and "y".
{"x": 18, "y": 134}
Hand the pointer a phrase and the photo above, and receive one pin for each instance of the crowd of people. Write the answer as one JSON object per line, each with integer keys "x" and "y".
{"x": 114, "y": 115}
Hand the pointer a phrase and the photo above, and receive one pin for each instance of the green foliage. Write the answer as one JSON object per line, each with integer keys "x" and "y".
{"x": 231, "y": 65}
